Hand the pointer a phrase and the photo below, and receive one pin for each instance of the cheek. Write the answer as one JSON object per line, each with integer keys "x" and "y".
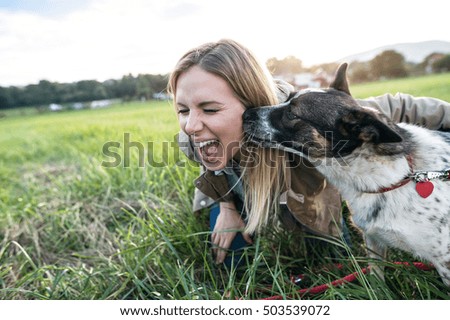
{"x": 181, "y": 122}
{"x": 232, "y": 125}
{"x": 232, "y": 140}
{"x": 236, "y": 134}
{"x": 238, "y": 124}
{"x": 239, "y": 134}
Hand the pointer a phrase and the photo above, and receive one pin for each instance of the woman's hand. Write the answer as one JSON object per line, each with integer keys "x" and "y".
{"x": 228, "y": 223}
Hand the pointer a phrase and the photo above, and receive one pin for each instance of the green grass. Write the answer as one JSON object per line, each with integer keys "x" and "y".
{"x": 437, "y": 85}
{"x": 71, "y": 228}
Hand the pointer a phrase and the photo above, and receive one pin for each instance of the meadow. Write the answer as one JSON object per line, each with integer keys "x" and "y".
{"x": 77, "y": 224}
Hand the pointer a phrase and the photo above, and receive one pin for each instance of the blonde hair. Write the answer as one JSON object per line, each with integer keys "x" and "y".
{"x": 264, "y": 171}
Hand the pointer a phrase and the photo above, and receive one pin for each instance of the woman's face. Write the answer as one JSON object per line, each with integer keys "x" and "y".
{"x": 210, "y": 114}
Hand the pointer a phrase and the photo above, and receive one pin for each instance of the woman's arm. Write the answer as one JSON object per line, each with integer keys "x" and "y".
{"x": 431, "y": 113}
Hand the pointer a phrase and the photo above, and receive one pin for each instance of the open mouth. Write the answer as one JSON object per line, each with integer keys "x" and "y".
{"x": 209, "y": 150}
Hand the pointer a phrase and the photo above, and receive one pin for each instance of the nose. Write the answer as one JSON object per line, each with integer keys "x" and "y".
{"x": 194, "y": 123}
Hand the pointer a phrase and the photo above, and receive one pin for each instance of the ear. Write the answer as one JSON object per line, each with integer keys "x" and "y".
{"x": 340, "y": 82}
{"x": 368, "y": 127}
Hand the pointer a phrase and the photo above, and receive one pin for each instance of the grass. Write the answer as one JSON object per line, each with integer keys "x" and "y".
{"x": 436, "y": 85}
{"x": 71, "y": 228}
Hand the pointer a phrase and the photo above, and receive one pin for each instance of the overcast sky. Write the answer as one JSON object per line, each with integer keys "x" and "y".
{"x": 67, "y": 41}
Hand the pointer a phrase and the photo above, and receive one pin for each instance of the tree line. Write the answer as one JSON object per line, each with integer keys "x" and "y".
{"x": 143, "y": 86}
{"x": 388, "y": 64}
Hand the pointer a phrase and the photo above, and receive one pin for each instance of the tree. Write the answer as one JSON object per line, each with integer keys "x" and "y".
{"x": 88, "y": 90}
{"x": 149, "y": 84}
{"x": 159, "y": 82}
{"x": 46, "y": 92}
{"x": 388, "y": 64}
{"x": 143, "y": 86}
{"x": 288, "y": 66}
{"x": 127, "y": 87}
{"x": 329, "y": 67}
{"x": 5, "y": 99}
{"x": 359, "y": 72}
{"x": 442, "y": 65}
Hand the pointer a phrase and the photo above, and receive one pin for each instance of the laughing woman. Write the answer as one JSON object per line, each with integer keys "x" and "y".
{"x": 244, "y": 186}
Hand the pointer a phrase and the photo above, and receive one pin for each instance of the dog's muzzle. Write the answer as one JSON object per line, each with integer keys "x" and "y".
{"x": 256, "y": 121}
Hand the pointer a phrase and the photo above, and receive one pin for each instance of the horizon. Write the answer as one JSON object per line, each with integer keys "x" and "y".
{"x": 62, "y": 41}
{"x": 167, "y": 73}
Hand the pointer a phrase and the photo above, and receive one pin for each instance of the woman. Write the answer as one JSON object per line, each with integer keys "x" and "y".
{"x": 212, "y": 85}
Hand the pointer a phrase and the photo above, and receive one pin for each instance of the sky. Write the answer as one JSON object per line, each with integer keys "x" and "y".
{"x": 68, "y": 41}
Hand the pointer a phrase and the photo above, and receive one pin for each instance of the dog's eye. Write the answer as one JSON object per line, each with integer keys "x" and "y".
{"x": 290, "y": 115}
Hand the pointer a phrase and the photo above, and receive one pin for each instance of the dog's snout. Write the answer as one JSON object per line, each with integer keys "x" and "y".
{"x": 247, "y": 116}
{"x": 260, "y": 114}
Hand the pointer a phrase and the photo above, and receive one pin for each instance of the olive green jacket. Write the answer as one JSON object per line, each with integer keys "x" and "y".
{"x": 313, "y": 203}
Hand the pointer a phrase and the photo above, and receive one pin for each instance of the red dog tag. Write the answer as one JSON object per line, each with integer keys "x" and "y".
{"x": 425, "y": 188}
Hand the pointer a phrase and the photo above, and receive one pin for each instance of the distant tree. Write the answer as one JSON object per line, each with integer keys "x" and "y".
{"x": 17, "y": 96}
{"x": 5, "y": 99}
{"x": 287, "y": 66}
{"x": 442, "y": 65}
{"x": 159, "y": 82}
{"x": 149, "y": 84}
{"x": 143, "y": 86}
{"x": 46, "y": 92}
{"x": 388, "y": 64}
{"x": 67, "y": 92}
{"x": 89, "y": 90}
{"x": 127, "y": 87}
{"x": 359, "y": 72}
{"x": 112, "y": 88}
{"x": 426, "y": 66}
{"x": 31, "y": 95}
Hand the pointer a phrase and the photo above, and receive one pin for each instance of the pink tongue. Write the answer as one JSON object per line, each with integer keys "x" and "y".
{"x": 210, "y": 150}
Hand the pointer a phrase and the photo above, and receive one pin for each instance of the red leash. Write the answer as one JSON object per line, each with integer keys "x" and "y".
{"x": 348, "y": 278}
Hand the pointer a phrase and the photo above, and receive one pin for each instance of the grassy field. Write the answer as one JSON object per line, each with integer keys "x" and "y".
{"x": 437, "y": 85}
{"x": 72, "y": 228}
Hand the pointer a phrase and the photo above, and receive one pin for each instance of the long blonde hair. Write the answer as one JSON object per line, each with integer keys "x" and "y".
{"x": 264, "y": 170}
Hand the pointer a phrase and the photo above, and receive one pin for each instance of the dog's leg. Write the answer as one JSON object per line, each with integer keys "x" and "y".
{"x": 377, "y": 251}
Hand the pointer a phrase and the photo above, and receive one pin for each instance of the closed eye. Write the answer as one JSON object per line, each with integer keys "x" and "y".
{"x": 207, "y": 107}
{"x": 183, "y": 111}
{"x": 290, "y": 115}
{"x": 207, "y": 111}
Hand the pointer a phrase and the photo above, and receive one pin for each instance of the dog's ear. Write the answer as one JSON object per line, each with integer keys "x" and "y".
{"x": 340, "y": 81}
{"x": 367, "y": 127}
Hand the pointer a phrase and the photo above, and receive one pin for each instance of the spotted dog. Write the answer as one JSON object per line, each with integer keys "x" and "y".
{"x": 395, "y": 177}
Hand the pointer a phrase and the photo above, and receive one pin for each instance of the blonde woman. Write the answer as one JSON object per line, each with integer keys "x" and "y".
{"x": 242, "y": 186}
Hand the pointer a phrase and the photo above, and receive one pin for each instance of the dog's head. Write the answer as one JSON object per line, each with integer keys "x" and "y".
{"x": 319, "y": 123}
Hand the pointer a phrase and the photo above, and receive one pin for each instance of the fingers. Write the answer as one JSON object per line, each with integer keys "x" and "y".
{"x": 227, "y": 224}
{"x": 221, "y": 242}
{"x": 247, "y": 238}
{"x": 220, "y": 256}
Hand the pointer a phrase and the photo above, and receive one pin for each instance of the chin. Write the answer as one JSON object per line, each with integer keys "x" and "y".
{"x": 216, "y": 165}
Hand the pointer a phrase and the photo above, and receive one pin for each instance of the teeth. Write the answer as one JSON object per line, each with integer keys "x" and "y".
{"x": 205, "y": 143}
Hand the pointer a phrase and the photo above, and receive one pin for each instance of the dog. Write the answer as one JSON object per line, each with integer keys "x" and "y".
{"x": 395, "y": 177}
